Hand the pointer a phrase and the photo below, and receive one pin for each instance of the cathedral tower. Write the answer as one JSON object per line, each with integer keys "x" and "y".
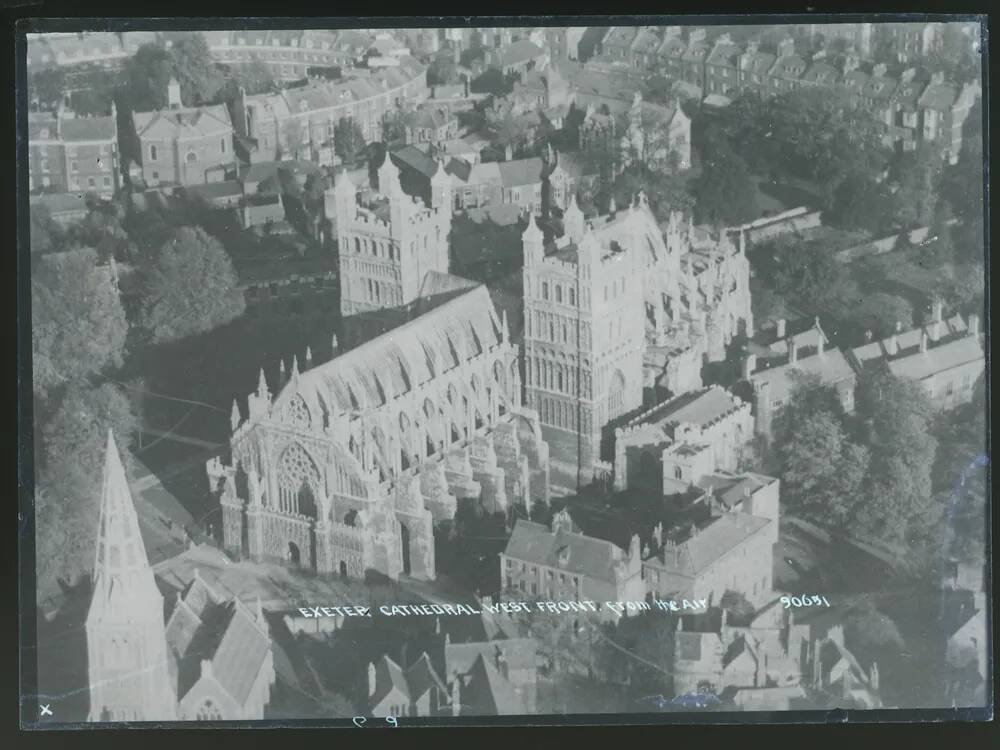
{"x": 126, "y": 640}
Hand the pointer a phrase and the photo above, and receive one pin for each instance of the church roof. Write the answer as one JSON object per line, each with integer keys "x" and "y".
{"x": 453, "y": 321}
{"x": 191, "y": 122}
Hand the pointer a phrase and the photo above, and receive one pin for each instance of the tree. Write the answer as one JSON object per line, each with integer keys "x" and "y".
{"x": 192, "y": 287}
{"x": 394, "y": 126}
{"x": 102, "y": 230}
{"x": 859, "y": 202}
{"x": 348, "y": 140}
{"x": 724, "y": 192}
{"x": 768, "y": 306}
{"x": 442, "y": 70}
{"x": 740, "y": 610}
{"x": 644, "y": 649}
{"x": 73, "y": 441}
{"x": 78, "y": 324}
{"x": 938, "y": 248}
{"x": 254, "y": 77}
{"x": 94, "y": 100}
{"x": 44, "y": 234}
{"x": 880, "y": 313}
{"x": 895, "y": 419}
{"x": 870, "y": 630}
{"x": 808, "y": 275}
{"x": 47, "y": 87}
{"x": 492, "y": 81}
{"x": 919, "y": 176}
{"x": 963, "y": 287}
{"x": 191, "y": 63}
{"x": 146, "y": 75}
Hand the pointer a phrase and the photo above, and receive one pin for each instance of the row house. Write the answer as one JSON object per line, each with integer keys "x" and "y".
{"x": 945, "y": 356}
{"x": 288, "y": 54}
{"x": 302, "y": 120}
{"x": 69, "y": 153}
{"x": 430, "y": 126}
{"x": 722, "y": 67}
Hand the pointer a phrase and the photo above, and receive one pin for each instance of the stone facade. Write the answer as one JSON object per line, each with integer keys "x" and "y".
{"x": 349, "y": 466}
{"x": 618, "y": 305}
{"x": 388, "y": 241}
{"x": 67, "y": 153}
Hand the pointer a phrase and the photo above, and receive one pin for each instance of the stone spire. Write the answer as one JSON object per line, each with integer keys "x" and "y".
{"x": 295, "y": 365}
{"x": 126, "y": 638}
{"x": 309, "y": 357}
{"x": 281, "y": 372}
{"x": 573, "y": 220}
{"x": 503, "y": 326}
{"x": 262, "y": 389}
{"x": 334, "y": 344}
{"x": 234, "y": 419}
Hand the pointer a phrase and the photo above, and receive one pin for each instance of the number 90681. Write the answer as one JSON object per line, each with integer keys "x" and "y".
{"x": 804, "y": 601}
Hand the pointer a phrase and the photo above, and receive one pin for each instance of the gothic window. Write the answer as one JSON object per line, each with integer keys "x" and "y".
{"x": 208, "y": 712}
{"x": 297, "y": 473}
{"x": 616, "y": 395}
{"x": 545, "y": 290}
{"x": 572, "y": 296}
{"x": 191, "y": 157}
{"x": 558, "y": 293}
{"x": 297, "y": 413}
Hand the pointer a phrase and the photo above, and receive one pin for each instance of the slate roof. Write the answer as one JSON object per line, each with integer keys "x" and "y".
{"x": 211, "y": 191}
{"x": 823, "y": 73}
{"x": 729, "y": 488}
{"x": 697, "y": 407}
{"x": 519, "y": 52}
{"x": 191, "y": 122}
{"x": 488, "y": 693}
{"x": 758, "y": 62}
{"x": 415, "y": 159}
{"x": 421, "y": 677}
{"x": 951, "y": 327}
{"x": 692, "y": 646}
{"x": 879, "y": 87}
{"x": 789, "y": 66}
{"x": 722, "y": 535}
{"x": 388, "y": 676}
{"x": 88, "y": 129}
{"x": 939, "y": 358}
{"x": 521, "y": 172}
{"x": 441, "y": 338}
{"x": 724, "y": 54}
{"x": 939, "y": 96}
{"x": 534, "y": 543}
{"x": 203, "y": 627}
{"x": 519, "y": 652}
{"x": 673, "y": 46}
{"x": 831, "y": 366}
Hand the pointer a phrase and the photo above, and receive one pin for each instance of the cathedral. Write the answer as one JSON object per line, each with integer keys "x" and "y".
{"x": 350, "y": 464}
{"x": 210, "y": 659}
{"x": 619, "y": 305}
{"x": 388, "y": 240}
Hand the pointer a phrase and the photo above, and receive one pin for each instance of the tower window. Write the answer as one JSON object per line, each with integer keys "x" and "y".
{"x": 545, "y": 290}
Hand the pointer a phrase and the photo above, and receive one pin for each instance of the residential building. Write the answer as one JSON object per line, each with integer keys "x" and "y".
{"x": 967, "y": 650}
{"x": 838, "y": 678}
{"x": 65, "y": 209}
{"x": 69, "y": 153}
{"x": 560, "y": 563}
{"x": 945, "y": 108}
{"x": 674, "y": 444}
{"x": 514, "y": 659}
{"x": 184, "y": 145}
{"x": 733, "y": 551}
{"x": 722, "y": 67}
{"x": 945, "y": 356}
{"x": 376, "y": 445}
{"x": 768, "y": 652}
{"x": 210, "y": 660}
{"x": 416, "y": 691}
{"x": 388, "y": 241}
{"x": 303, "y": 119}
{"x": 517, "y": 58}
{"x": 430, "y": 126}
{"x": 784, "y": 360}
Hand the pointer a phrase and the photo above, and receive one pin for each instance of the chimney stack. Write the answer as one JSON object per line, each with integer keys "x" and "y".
{"x": 749, "y": 365}
{"x": 372, "y": 679}
{"x": 923, "y": 342}
{"x": 973, "y": 325}
{"x": 780, "y": 328}
{"x": 892, "y": 344}
{"x": 937, "y": 317}
{"x": 793, "y": 351}
{"x": 173, "y": 94}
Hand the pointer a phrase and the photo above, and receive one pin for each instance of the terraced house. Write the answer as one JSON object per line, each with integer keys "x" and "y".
{"x": 68, "y": 153}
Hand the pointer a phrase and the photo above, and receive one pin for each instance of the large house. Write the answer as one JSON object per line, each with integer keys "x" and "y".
{"x": 70, "y": 153}
{"x": 184, "y": 145}
{"x": 210, "y": 660}
{"x": 559, "y": 562}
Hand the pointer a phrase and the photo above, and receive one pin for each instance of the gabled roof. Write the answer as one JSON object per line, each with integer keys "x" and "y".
{"x": 518, "y": 652}
{"x": 831, "y": 366}
{"x": 722, "y": 535}
{"x": 521, "y": 171}
{"x": 944, "y": 356}
{"x": 575, "y": 553}
{"x": 519, "y": 52}
{"x": 725, "y": 54}
{"x": 389, "y": 676}
{"x": 697, "y": 407}
{"x": 88, "y": 129}
{"x": 186, "y": 122}
{"x": 421, "y": 677}
{"x": 488, "y": 693}
{"x": 950, "y": 328}
{"x": 939, "y": 96}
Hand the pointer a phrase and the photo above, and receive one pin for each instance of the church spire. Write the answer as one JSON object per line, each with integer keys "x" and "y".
{"x": 503, "y": 326}
{"x": 295, "y": 366}
{"x": 234, "y": 417}
{"x": 262, "y": 390}
{"x": 120, "y": 550}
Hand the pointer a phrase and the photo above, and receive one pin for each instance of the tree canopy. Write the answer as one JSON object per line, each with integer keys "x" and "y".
{"x": 724, "y": 192}
{"x": 348, "y": 140}
{"x": 191, "y": 287}
{"x": 78, "y": 324}
{"x": 148, "y": 72}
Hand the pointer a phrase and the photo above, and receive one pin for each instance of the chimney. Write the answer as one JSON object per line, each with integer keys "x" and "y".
{"x": 820, "y": 344}
{"x": 372, "y": 679}
{"x": 873, "y": 676}
{"x": 456, "y": 693}
{"x": 749, "y": 365}
{"x": 973, "y": 325}
{"x": 868, "y": 335}
{"x": 907, "y": 75}
{"x": 173, "y": 94}
{"x": 281, "y": 372}
{"x": 879, "y": 70}
{"x": 309, "y": 357}
{"x": 937, "y": 78}
{"x": 937, "y": 316}
{"x": 786, "y": 47}
{"x": 793, "y": 351}
{"x": 780, "y": 328}
{"x": 892, "y": 344}
{"x": 923, "y": 342}
{"x": 508, "y": 153}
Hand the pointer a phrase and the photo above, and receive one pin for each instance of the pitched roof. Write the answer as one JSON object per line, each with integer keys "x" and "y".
{"x": 519, "y": 52}
{"x": 831, "y": 366}
{"x": 421, "y": 677}
{"x": 241, "y": 652}
{"x": 449, "y": 331}
{"x": 389, "y": 676}
{"x": 187, "y": 122}
{"x": 575, "y": 553}
{"x": 940, "y": 95}
{"x": 518, "y": 652}
{"x": 939, "y": 358}
{"x": 88, "y": 129}
{"x": 730, "y": 488}
{"x": 697, "y": 407}
{"x": 951, "y": 327}
{"x": 521, "y": 172}
{"x": 722, "y": 535}
{"x": 58, "y": 203}
{"x": 488, "y": 693}
{"x": 414, "y": 158}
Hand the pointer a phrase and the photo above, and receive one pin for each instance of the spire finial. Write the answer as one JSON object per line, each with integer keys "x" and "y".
{"x": 295, "y": 366}
{"x": 309, "y": 356}
{"x": 262, "y": 384}
{"x": 503, "y": 325}
{"x": 234, "y": 418}
{"x": 281, "y": 370}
